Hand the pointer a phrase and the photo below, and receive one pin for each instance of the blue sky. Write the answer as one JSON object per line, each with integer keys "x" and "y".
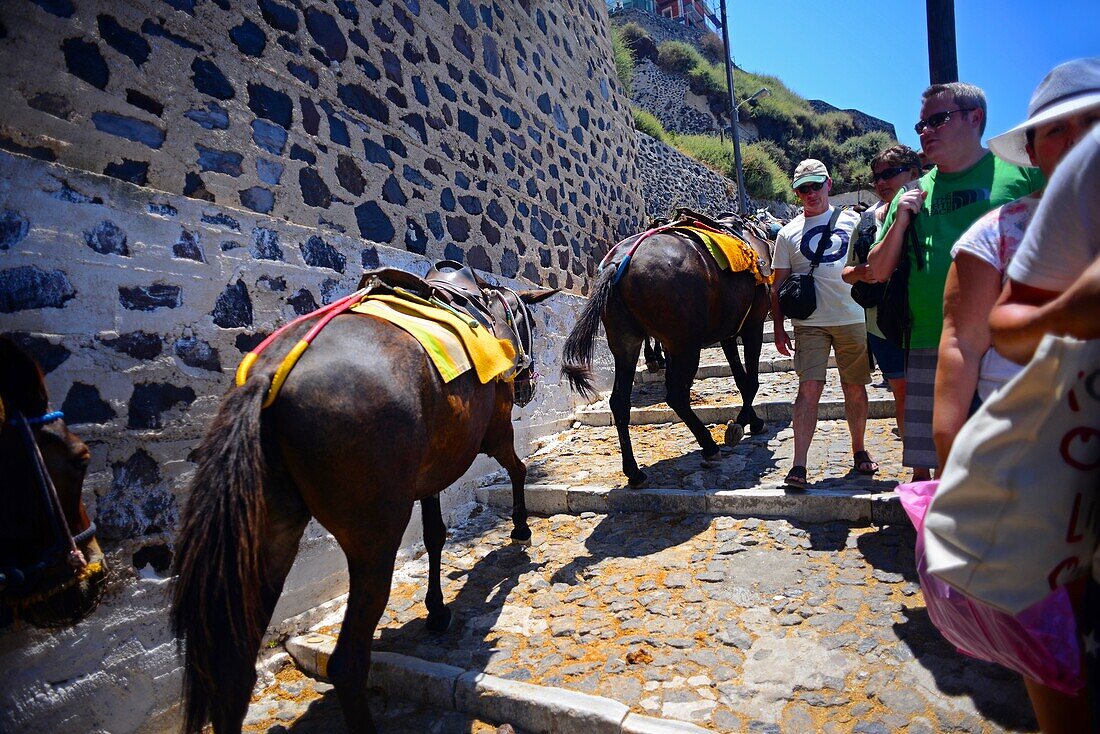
{"x": 873, "y": 56}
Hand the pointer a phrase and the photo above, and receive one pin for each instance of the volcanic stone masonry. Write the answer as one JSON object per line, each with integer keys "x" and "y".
{"x": 487, "y": 132}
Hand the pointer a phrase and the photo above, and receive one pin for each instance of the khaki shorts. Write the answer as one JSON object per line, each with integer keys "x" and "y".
{"x": 849, "y": 342}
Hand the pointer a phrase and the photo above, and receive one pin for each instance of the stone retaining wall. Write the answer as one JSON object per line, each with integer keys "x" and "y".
{"x": 490, "y": 133}
{"x": 670, "y": 179}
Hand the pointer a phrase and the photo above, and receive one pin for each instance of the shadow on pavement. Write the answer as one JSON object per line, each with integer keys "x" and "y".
{"x": 391, "y": 716}
{"x": 890, "y": 549}
{"x": 476, "y": 609}
{"x": 631, "y": 535}
{"x": 998, "y": 694}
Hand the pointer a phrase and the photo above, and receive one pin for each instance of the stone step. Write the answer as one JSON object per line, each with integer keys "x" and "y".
{"x": 527, "y": 707}
{"x": 852, "y": 505}
{"x": 768, "y": 411}
{"x": 724, "y": 624}
{"x": 712, "y": 363}
{"x": 589, "y": 457}
{"x": 716, "y": 399}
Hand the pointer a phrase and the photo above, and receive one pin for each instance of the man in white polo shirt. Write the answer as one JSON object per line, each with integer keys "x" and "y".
{"x": 837, "y": 323}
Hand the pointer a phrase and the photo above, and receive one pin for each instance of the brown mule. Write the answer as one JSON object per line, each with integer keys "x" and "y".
{"x": 52, "y": 571}
{"x": 674, "y": 292}
{"x": 362, "y": 428}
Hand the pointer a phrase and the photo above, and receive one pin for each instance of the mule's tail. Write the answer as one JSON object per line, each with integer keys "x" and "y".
{"x": 216, "y": 605}
{"x": 577, "y": 357}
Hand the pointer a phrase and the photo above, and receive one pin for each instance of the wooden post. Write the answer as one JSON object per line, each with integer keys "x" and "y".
{"x": 943, "y": 63}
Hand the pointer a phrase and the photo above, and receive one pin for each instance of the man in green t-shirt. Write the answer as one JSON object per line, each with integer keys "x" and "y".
{"x": 966, "y": 182}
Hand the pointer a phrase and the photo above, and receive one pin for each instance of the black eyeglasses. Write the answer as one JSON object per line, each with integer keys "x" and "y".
{"x": 938, "y": 120}
{"x": 807, "y": 188}
{"x": 888, "y": 173}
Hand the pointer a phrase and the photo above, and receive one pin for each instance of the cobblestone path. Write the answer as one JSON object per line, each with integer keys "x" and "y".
{"x": 734, "y": 624}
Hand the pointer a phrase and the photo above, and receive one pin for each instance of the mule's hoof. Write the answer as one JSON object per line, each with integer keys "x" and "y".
{"x": 637, "y": 480}
{"x": 519, "y": 540}
{"x": 439, "y": 621}
{"x": 712, "y": 458}
{"x": 757, "y": 427}
{"x": 734, "y": 433}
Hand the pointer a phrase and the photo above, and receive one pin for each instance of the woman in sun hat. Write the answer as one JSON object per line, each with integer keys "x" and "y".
{"x": 1063, "y": 109}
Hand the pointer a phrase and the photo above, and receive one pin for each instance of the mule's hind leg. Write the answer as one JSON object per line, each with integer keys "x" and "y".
{"x": 679, "y": 374}
{"x": 371, "y": 554}
{"x": 435, "y": 534}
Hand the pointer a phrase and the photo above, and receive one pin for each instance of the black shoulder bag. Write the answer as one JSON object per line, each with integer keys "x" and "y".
{"x": 797, "y": 297}
{"x": 867, "y": 295}
{"x": 894, "y": 319}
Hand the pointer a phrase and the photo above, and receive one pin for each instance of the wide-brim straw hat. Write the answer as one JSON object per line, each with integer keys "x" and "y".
{"x": 1068, "y": 89}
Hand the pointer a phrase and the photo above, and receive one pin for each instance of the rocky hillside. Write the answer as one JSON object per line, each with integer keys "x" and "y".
{"x": 864, "y": 123}
{"x": 676, "y": 75}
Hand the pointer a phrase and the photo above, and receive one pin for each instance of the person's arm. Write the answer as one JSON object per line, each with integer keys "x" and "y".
{"x": 1025, "y": 313}
{"x": 782, "y": 340}
{"x": 972, "y": 288}
{"x": 883, "y": 259}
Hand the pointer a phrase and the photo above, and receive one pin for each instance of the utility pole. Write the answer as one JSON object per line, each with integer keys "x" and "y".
{"x": 742, "y": 197}
{"x": 943, "y": 63}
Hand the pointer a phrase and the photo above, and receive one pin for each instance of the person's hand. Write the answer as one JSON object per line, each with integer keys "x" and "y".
{"x": 782, "y": 340}
{"x": 910, "y": 203}
{"x": 864, "y": 275}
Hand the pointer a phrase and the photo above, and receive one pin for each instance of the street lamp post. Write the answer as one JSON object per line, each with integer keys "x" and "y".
{"x": 742, "y": 195}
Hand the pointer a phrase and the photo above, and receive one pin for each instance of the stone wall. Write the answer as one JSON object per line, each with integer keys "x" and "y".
{"x": 670, "y": 179}
{"x": 139, "y": 304}
{"x": 490, "y": 133}
{"x": 184, "y": 176}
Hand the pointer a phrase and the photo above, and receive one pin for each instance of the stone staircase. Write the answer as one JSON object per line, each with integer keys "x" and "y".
{"x": 713, "y": 599}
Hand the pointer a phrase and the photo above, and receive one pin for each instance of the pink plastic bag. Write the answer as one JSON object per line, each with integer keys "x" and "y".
{"x": 1039, "y": 642}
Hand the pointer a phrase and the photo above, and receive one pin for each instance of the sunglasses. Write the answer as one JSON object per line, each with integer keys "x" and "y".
{"x": 938, "y": 120}
{"x": 888, "y": 173}
{"x": 807, "y": 188}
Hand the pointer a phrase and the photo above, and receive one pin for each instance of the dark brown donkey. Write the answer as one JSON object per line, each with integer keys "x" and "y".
{"x": 362, "y": 428}
{"x": 673, "y": 291}
{"x": 52, "y": 571}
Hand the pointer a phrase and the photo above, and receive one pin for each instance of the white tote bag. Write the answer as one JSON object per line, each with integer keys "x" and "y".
{"x": 1016, "y": 512}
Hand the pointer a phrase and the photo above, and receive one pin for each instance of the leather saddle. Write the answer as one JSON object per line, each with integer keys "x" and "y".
{"x": 448, "y": 284}
{"x": 735, "y": 225}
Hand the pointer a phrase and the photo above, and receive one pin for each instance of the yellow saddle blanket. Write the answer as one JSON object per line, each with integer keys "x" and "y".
{"x": 453, "y": 346}
{"x": 730, "y": 252}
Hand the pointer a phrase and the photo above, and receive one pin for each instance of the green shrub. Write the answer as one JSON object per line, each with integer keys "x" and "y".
{"x": 833, "y": 125}
{"x": 650, "y": 125}
{"x": 709, "y": 150}
{"x": 777, "y": 154}
{"x": 713, "y": 48}
{"x": 624, "y": 61}
{"x": 677, "y": 57}
{"x": 867, "y": 146}
{"x": 638, "y": 41}
{"x": 764, "y": 179}
{"x": 709, "y": 81}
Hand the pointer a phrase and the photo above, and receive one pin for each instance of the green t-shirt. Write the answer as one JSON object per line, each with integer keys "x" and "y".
{"x": 954, "y": 202}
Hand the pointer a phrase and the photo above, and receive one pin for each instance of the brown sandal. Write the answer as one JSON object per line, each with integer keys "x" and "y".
{"x": 863, "y": 460}
{"x": 796, "y": 478}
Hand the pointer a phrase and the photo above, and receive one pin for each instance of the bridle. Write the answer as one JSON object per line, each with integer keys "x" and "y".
{"x": 524, "y": 376}
{"x": 17, "y": 582}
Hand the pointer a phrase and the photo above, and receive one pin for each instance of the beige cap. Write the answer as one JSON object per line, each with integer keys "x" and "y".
{"x": 810, "y": 170}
